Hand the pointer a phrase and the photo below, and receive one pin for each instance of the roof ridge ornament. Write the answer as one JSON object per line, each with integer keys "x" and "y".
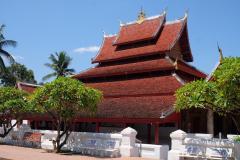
{"x": 220, "y": 54}
{"x": 186, "y": 14}
{"x": 141, "y": 16}
{"x": 176, "y": 63}
{"x": 165, "y": 11}
{"x": 104, "y": 33}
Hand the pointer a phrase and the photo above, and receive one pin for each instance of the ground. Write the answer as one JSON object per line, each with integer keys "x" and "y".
{"x": 21, "y": 153}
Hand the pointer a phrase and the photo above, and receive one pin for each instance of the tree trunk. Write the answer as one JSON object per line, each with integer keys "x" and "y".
{"x": 7, "y": 130}
{"x": 65, "y": 139}
{"x": 58, "y": 138}
{"x": 66, "y": 132}
{"x": 210, "y": 122}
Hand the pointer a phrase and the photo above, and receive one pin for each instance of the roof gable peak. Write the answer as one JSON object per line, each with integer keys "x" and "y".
{"x": 145, "y": 19}
{"x": 184, "y": 18}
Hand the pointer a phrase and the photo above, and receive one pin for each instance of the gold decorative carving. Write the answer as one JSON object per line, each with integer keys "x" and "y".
{"x": 141, "y": 16}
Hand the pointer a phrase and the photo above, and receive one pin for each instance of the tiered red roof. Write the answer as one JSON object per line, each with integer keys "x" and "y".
{"x": 184, "y": 67}
{"x": 135, "y": 107}
{"x": 128, "y": 68}
{"x": 127, "y": 55}
{"x": 139, "y": 67}
{"x": 164, "y": 85}
{"x": 168, "y": 37}
{"x": 134, "y": 32}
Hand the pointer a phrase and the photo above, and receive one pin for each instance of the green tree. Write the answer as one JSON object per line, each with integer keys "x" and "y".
{"x": 17, "y": 72}
{"x": 221, "y": 94}
{"x": 5, "y": 43}
{"x": 63, "y": 99}
{"x": 13, "y": 105}
{"x": 59, "y": 64}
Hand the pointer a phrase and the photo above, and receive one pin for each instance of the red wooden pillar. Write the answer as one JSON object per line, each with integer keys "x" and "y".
{"x": 52, "y": 122}
{"x": 18, "y": 124}
{"x": 29, "y": 122}
{"x": 180, "y": 121}
{"x": 97, "y": 126}
{"x": 37, "y": 124}
{"x": 156, "y": 133}
{"x": 177, "y": 125}
{"x": 149, "y": 133}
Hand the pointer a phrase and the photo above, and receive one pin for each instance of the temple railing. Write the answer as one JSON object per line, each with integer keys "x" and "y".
{"x": 202, "y": 146}
{"x": 123, "y": 143}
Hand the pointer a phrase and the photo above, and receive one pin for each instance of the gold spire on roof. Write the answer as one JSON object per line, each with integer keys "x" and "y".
{"x": 220, "y": 54}
{"x": 176, "y": 63}
{"x": 141, "y": 16}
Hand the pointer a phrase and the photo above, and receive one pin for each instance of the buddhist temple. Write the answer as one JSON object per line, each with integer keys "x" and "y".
{"x": 138, "y": 70}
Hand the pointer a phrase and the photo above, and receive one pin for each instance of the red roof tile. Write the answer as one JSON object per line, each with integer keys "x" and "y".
{"x": 167, "y": 39}
{"x": 136, "y": 67}
{"x": 190, "y": 69}
{"x": 135, "y": 107}
{"x": 135, "y": 32}
{"x": 143, "y": 86}
{"x": 140, "y": 67}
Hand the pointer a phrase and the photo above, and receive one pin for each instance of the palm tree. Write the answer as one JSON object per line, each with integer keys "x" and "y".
{"x": 60, "y": 63}
{"x": 5, "y": 43}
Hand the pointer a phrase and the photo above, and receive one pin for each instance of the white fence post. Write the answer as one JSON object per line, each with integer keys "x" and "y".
{"x": 177, "y": 138}
{"x": 237, "y": 150}
{"x": 236, "y": 146}
{"x": 128, "y": 147}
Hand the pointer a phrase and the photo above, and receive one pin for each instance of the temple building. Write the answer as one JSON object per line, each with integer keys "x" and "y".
{"x": 138, "y": 70}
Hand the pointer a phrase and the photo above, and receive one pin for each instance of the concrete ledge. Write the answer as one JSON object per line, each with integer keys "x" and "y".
{"x": 159, "y": 152}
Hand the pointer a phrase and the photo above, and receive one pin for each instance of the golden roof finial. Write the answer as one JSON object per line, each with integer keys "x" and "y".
{"x": 141, "y": 16}
{"x": 220, "y": 54}
{"x": 176, "y": 63}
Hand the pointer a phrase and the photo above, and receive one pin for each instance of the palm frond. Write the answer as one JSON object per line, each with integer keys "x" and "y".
{"x": 2, "y": 65}
{"x": 7, "y": 55}
{"x": 1, "y": 37}
{"x": 2, "y": 28}
{"x": 53, "y": 58}
{"x": 70, "y": 70}
{"x": 6, "y": 43}
{"x": 1, "y": 32}
{"x": 49, "y": 76}
{"x": 49, "y": 65}
{"x": 60, "y": 63}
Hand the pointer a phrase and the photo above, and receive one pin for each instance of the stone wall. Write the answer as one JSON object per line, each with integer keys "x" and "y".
{"x": 202, "y": 146}
{"x": 124, "y": 142}
{"x": 22, "y": 136}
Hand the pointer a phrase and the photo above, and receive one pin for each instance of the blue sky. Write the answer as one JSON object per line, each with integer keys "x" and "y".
{"x": 42, "y": 27}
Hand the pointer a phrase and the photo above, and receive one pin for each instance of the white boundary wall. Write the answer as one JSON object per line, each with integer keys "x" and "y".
{"x": 202, "y": 146}
{"x": 153, "y": 151}
{"x": 125, "y": 142}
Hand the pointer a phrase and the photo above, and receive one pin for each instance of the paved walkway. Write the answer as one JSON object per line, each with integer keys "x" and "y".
{"x": 21, "y": 153}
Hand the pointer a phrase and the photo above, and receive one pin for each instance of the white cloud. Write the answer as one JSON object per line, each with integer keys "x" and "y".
{"x": 91, "y": 49}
